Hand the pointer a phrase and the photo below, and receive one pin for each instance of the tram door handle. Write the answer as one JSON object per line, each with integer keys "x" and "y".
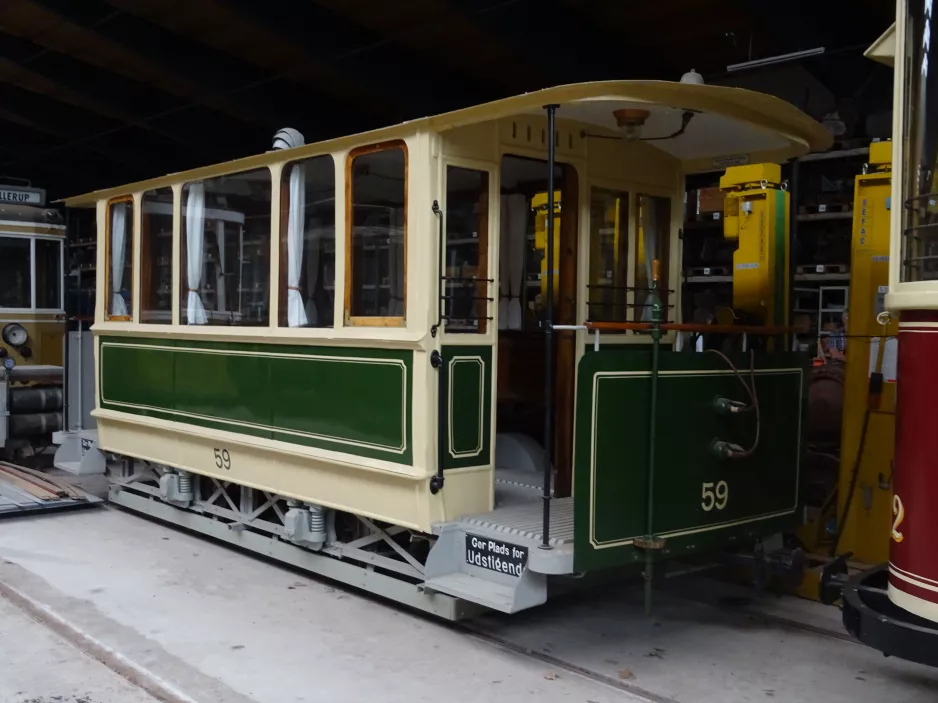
{"x": 438, "y": 363}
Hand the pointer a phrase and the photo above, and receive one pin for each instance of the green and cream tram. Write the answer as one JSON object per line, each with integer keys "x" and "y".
{"x": 347, "y": 355}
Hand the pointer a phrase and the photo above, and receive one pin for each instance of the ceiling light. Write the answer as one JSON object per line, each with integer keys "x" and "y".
{"x": 631, "y": 121}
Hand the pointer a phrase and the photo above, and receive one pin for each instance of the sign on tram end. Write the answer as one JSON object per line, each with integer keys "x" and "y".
{"x": 15, "y": 195}
{"x": 496, "y": 556}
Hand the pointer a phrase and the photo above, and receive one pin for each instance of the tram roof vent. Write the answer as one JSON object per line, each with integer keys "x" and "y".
{"x": 287, "y": 138}
{"x": 692, "y": 77}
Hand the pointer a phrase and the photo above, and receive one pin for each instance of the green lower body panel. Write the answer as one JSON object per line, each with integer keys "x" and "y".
{"x": 468, "y": 430}
{"x": 356, "y": 401}
{"x": 701, "y": 501}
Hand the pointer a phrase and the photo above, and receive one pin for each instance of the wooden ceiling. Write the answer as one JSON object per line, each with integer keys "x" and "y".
{"x": 100, "y": 92}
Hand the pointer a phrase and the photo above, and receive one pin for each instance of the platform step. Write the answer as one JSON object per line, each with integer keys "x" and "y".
{"x": 490, "y": 571}
{"x": 487, "y": 593}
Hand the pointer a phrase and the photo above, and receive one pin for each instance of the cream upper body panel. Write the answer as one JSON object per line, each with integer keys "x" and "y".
{"x": 687, "y": 128}
{"x": 766, "y": 128}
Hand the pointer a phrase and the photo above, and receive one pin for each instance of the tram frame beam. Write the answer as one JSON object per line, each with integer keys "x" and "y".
{"x": 412, "y": 595}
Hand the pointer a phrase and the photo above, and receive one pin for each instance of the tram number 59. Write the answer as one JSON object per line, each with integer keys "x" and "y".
{"x": 714, "y": 496}
{"x": 222, "y": 459}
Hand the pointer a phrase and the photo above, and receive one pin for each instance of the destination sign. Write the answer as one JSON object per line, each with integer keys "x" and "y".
{"x": 22, "y": 196}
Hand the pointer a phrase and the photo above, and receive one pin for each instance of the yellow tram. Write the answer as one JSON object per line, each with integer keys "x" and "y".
{"x": 32, "y": 320}
{"x": 377, "y": 357}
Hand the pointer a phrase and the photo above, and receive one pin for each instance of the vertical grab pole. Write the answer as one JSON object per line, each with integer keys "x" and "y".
{"x": 549, "y": 329}
{"x": 652, "y": 429}
{"x": 437, "y": 362}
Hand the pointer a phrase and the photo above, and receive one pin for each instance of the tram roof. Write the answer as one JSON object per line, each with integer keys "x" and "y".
{"x": 760, "y": 123}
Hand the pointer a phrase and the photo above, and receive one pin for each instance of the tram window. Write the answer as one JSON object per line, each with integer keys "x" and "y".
{"x": 375, "y": 279}
{"x": 467, "y": 228}
{"x": 49, "y": 274}
{"x": 156, "y": 256}
{"x": 609, "y": 256}
{"x": 15, "y": 273}
{"x": 225, "y": 257}
{"x": 120, "y": 246}
{"x": 307, "y": 243}
{"x": 653, "y": 230}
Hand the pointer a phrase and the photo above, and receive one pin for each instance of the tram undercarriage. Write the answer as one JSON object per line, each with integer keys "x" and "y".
{"x": 416, "y": 570}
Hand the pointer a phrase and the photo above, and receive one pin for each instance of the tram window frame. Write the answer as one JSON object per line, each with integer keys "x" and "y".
{"x": 324, "y": 317}
{"x": 32, "y": 294}
{"x": 58, "y": 276}
{"x": 477, "y": 323}
{"x": 128, "y": 256}
{"x": 663, "y": 213}
{"x": 373, "y": 320}
{"x": 232, "y": 318}
{"x": 148, "y": 313}
{"x": 620, "y": 290}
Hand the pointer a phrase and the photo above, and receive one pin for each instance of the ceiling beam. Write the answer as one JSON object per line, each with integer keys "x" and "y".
{"x": 228, "y": 30}
{"x": 694, "y": 33}
{"x": 17, "y": 75}
{"x": 433, "y": 29}
{"x": 11, "y": 116}
{"x": 55, "y": 32}
{"x": 67, "y": 168}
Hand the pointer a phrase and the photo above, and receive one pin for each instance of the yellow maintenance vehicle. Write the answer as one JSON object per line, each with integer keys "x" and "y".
{"x": 856, "y": 517}
{"x": 539, "y": 206}
{"x": 756, "y": 209}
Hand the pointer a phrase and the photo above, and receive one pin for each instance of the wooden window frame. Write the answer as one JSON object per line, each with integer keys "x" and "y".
{"x": 360, "y": 321}
{"x": 146, "y": 258}
{"x": 107, "y": 259}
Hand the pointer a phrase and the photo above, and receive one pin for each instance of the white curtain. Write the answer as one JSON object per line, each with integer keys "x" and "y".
{"x": 221, "y": 290}
{"x": 650, "y": 246}
{"x": 118, "y": 247}
{"x": 503, "y": 284}
{"x": 195, "y": 236}
{"x": 296, "y": 314}
{"x": 517, "y": 243}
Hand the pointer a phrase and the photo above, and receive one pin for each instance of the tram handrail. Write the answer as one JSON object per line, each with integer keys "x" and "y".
{"x": 692, "y": 327}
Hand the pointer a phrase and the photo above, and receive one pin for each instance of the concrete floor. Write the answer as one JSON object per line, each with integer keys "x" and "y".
{"x": 38, "y": 666}
{"x": 710, "y": 643}
{"x": 219, "y": 625}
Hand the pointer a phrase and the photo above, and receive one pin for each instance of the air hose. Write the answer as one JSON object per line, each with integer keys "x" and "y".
{"x": 728, "y": 450}
{"x": 873, "y": 397}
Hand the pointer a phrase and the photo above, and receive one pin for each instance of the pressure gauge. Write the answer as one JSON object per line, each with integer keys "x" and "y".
{"x": 14, "y": 334}
{"x": 9, "y": 363}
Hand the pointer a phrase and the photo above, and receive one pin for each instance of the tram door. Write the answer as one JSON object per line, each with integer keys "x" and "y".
{"x": 522, "y": 290}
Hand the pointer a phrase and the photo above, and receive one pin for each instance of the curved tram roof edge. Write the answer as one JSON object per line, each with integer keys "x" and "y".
{"x": 764, "y": 112}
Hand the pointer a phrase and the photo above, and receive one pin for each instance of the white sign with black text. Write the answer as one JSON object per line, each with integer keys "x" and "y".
{"x": 22, "y": 196}
{"x": 494, "y": 555}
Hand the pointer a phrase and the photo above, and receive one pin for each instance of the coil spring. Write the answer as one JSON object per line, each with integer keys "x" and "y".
{"x": 185, "y": 482}
{"x": 317, "y": 519}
